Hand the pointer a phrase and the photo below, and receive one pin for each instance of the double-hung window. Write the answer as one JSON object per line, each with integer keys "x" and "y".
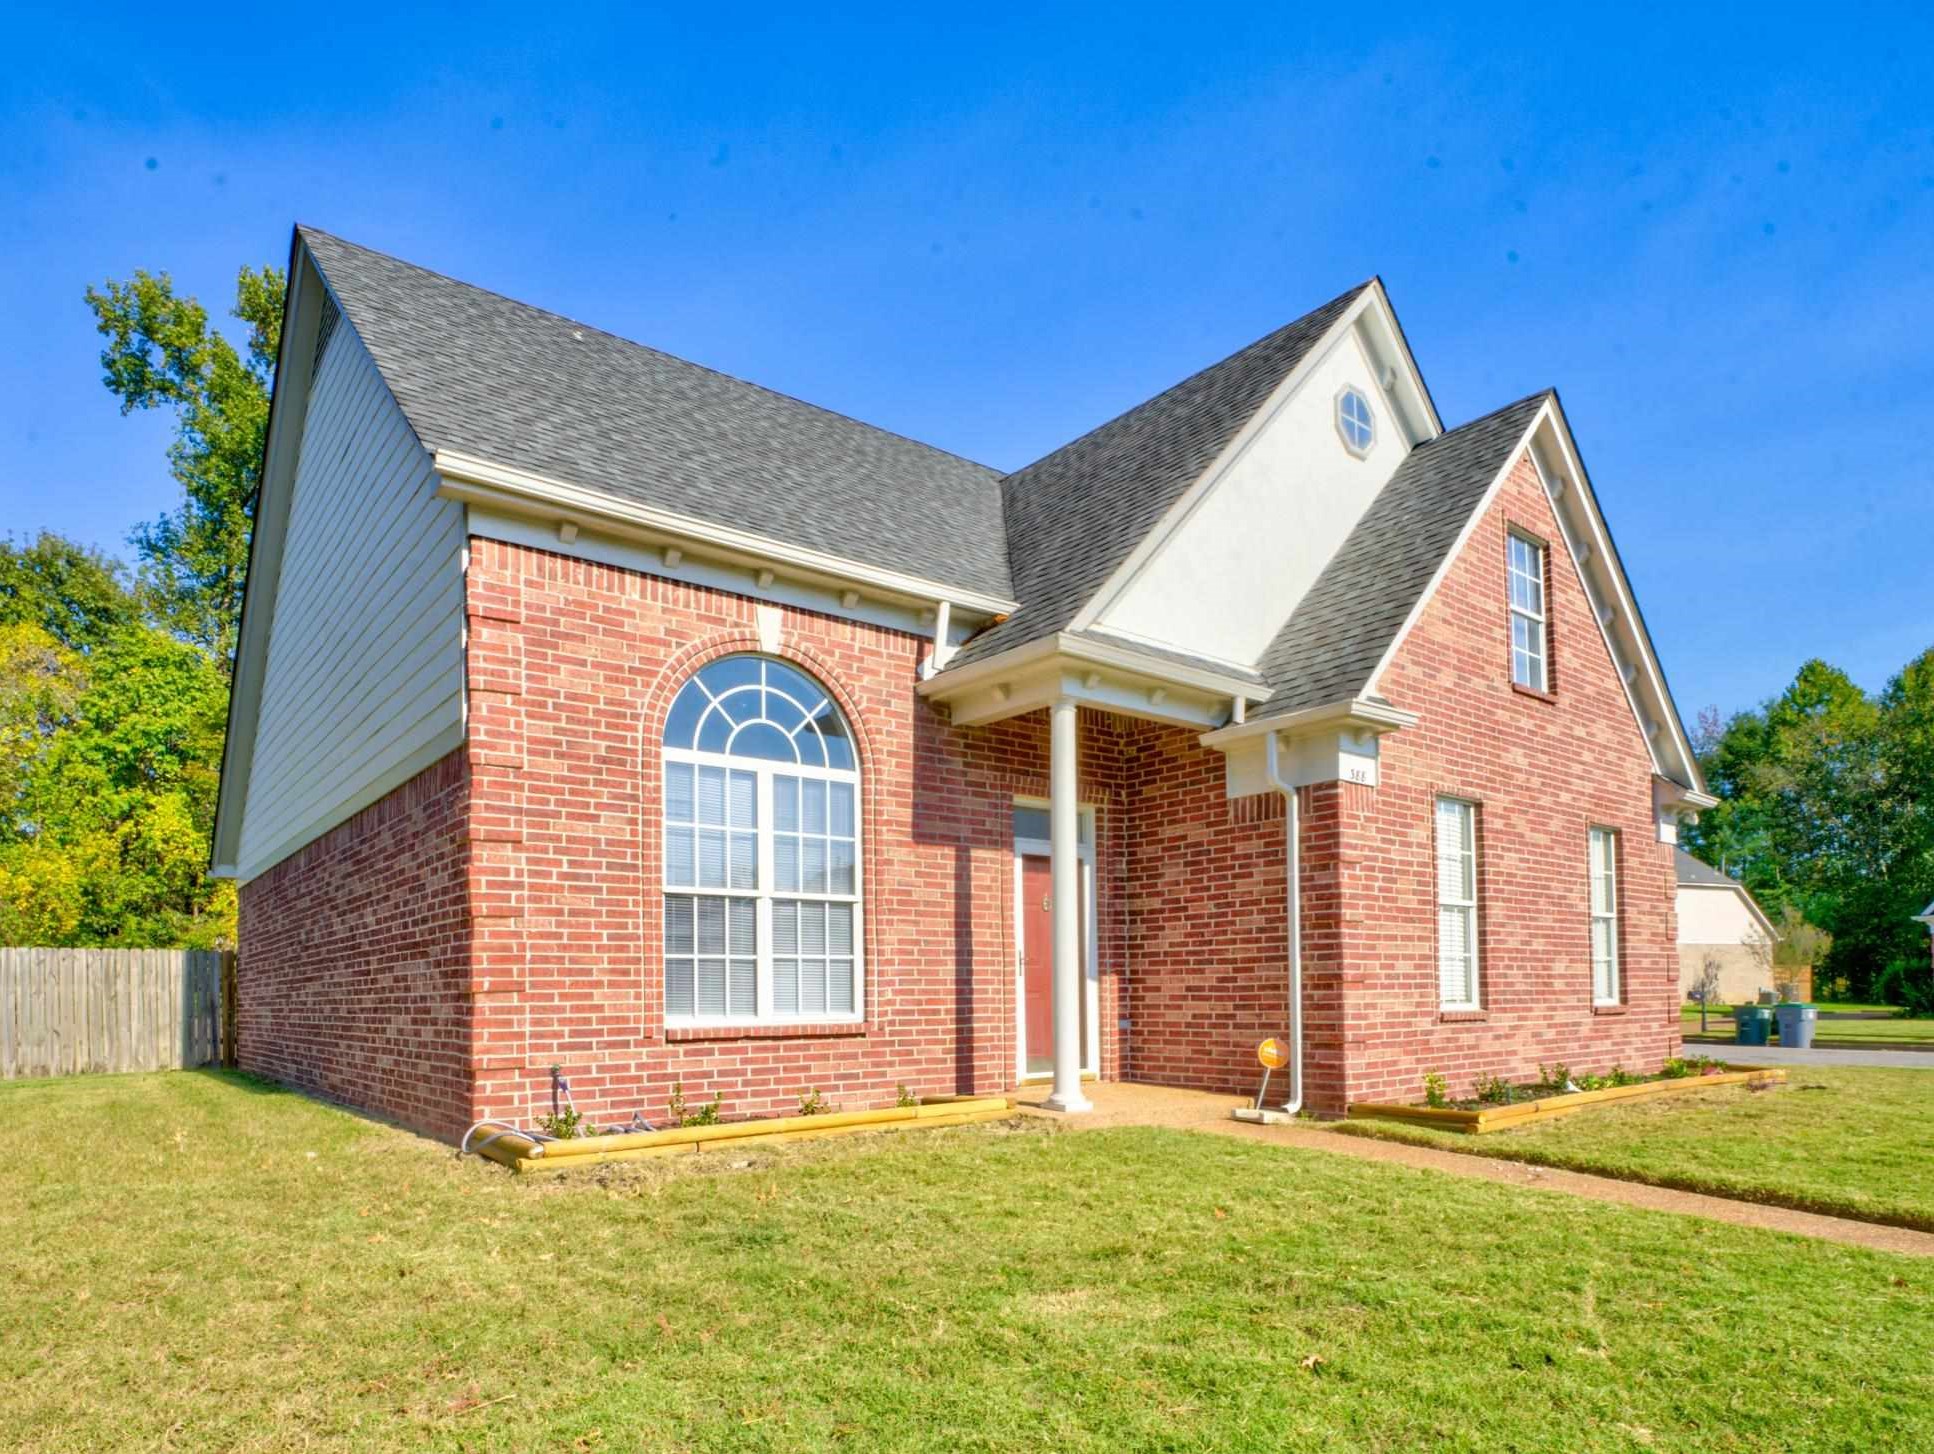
{"x": 1604, "y": 916}
{"x": 762, "y": 850}
{"x": 1525, "y": 567}
{"x": 1457, "y": 987}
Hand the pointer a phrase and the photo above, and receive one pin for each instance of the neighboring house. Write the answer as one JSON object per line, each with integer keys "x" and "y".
{"x": 595, "y": 709}
{"x": 1719, "y": 921}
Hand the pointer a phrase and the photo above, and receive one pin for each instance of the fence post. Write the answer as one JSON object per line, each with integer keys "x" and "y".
{"x": 230, "y": 1050}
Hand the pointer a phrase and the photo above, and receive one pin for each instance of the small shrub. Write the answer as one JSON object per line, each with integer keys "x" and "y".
{"x": 682, "y": 1114}
{"x": 1621, "y": 1076}
{"x": 1495, "y": 1090}
{"x": 565, "y": 1125}
{"x": 1554, "y": 1078}
{"x": 1591, "y": 1082}
{"x": 905, "y": 1099}
{"x": 1675, "y": 1069}
{"x": 1435, "y": 1094}
{"x": 812, "y": 1103}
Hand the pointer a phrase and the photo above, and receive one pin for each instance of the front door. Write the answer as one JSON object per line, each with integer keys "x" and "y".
{"x": 1037, "y": 964}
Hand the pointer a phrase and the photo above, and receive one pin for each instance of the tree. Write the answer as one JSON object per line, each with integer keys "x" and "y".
{"x": 162, "y": 353}
{"x": 74, "y": 594}
{"x": 109, "y": 765}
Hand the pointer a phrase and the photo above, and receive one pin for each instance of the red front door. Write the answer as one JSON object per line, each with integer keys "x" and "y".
{"x": 1037, "y": 962}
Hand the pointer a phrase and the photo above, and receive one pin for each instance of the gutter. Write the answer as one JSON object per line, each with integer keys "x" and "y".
{"x": 1293, "y": 895}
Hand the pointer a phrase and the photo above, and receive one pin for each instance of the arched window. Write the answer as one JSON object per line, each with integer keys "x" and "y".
{"x": 762, "y": 850}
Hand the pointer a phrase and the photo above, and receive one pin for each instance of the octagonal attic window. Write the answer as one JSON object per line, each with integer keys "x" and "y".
{"x": 1355, "y": 422}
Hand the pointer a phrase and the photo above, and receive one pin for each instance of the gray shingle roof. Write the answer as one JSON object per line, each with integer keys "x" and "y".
{"x": 484, "y": 375}
{"x": 1340, "y": 630}
{"x": 1697, "y": 871}
{"x": 1073, "y": 516}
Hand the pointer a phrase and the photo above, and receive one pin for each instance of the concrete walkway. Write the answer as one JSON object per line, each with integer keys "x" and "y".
{"x": 1118, "y": 1104}
{"x": 1779, "y": 1055}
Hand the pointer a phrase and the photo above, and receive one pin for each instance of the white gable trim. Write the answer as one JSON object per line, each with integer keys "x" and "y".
{"x": 302, "y": 307}
{"x": 1414, "y": 403}
{"x": 1600, "y": 575}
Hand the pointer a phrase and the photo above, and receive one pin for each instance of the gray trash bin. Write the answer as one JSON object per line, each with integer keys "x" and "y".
{"x": 1796, "y": 1025}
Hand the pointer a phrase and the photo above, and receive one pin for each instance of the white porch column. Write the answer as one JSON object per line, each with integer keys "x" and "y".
{"x": 1064, "y": 836}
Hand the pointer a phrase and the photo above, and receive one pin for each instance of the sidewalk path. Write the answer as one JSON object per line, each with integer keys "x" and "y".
{"x": 1777, "y": 1055}
{"x": 1118, "y": 1104}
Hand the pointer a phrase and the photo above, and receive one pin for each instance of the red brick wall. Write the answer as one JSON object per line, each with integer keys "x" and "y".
{"x": 572, "y": 667}
{"x": 1544, "y": 770}
{"x": 354, "y": 962}
{"x": 1206, "y": 911}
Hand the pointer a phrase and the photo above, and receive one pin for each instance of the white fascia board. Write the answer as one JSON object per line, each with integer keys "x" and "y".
{"x": 1352, "y": 714}
{"x": 503, "y": 487}
{"x": 1605, "y": 557}
{"x": 288, "y": 413}
{"x": 1084, "y": 650}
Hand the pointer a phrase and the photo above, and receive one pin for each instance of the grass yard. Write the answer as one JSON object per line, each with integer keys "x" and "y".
{"x": 1881, "y": 1032}
{"x": 197, "y": 1262}
{"x": 1853, "y": 1142}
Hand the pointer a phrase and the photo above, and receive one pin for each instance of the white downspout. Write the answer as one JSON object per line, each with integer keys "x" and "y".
{"x": 1293, "y": 852}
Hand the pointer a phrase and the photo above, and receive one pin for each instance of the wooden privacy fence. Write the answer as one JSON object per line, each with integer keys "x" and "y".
{"x": 82, "y": 1011}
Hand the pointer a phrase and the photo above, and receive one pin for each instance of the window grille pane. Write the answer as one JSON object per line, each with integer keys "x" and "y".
{"x": 679, "y": 849}
{"x": 840, "y": 875}
{"x": 812, "y": 805}
{"x": 812, "y": 986}
{"x": 711, "y": 987}
{"x": 745, "y": 860}
{"x": 785, "y": 927}
{"x": 711, "y": 926}
{"x": 762, "y": 739}
{"x": 678, "y": 987}
{"x": 785, "y": 986}
{"x": 785, "y": 803}
{"x": 678, "y": 926}
{"x": 812, "y": 867}
{"x": 681, "y": 723}
{"x": 742, "y": 705}
{"x": 711, "y": 858}
{"x": 839, "y": 928}
{"x": 745, "y": 800}
{"x": 711, "y": 796}
{"x": 812, "y": 928}
{"x": 785, "y": 863}
{"x": 714, "y": 731}
{"x": 678, "y": 792}
{"x": 745, "y": 988}
{"x": 840, "y": 823}
{"x": 839, "y": 986}
{"x": 742, "y": 923}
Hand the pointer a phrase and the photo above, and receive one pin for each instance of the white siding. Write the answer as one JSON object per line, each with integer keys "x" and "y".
{"x": 1235, "y": 569}
{"x": 363, "y": 685}
{"x": 1716, "y": 916}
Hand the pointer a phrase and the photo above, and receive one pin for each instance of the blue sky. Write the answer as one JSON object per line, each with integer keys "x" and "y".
{"x": 1714, "y": 234}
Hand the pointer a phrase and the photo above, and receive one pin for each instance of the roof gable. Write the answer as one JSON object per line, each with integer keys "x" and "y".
{"x": 483, "y": 375}
{"x": 1072, "y": 517}
{"x": 1331, "y": 647}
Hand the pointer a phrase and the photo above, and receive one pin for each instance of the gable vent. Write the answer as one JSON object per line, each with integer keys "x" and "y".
{"x": 325, "y": 330}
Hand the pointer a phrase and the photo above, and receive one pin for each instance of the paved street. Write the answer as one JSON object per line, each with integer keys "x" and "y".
{"x": 1775, "y": 1055}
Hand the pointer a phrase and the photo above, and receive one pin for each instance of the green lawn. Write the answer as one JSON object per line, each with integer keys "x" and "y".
{"x": 1881, "y": 1032}
{"x": 1851, "y": 1142}
{"x": 195, "y": 1263}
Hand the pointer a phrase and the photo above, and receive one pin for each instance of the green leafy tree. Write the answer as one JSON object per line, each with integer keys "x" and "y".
{"x": 74, "y": 594}
{"x": 162, "y": 353}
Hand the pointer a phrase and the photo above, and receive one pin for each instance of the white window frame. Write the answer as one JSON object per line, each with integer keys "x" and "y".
{"x": 1349, "y": 391}
{"x": 1466, "y": 907}
{"x": 765, "y": 770}
{"x": 1601, "y": 850}
{"x": 1538, "y": 650}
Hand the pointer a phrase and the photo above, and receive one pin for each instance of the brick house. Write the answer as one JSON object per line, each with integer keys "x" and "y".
{"x": 595, "y": 709}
